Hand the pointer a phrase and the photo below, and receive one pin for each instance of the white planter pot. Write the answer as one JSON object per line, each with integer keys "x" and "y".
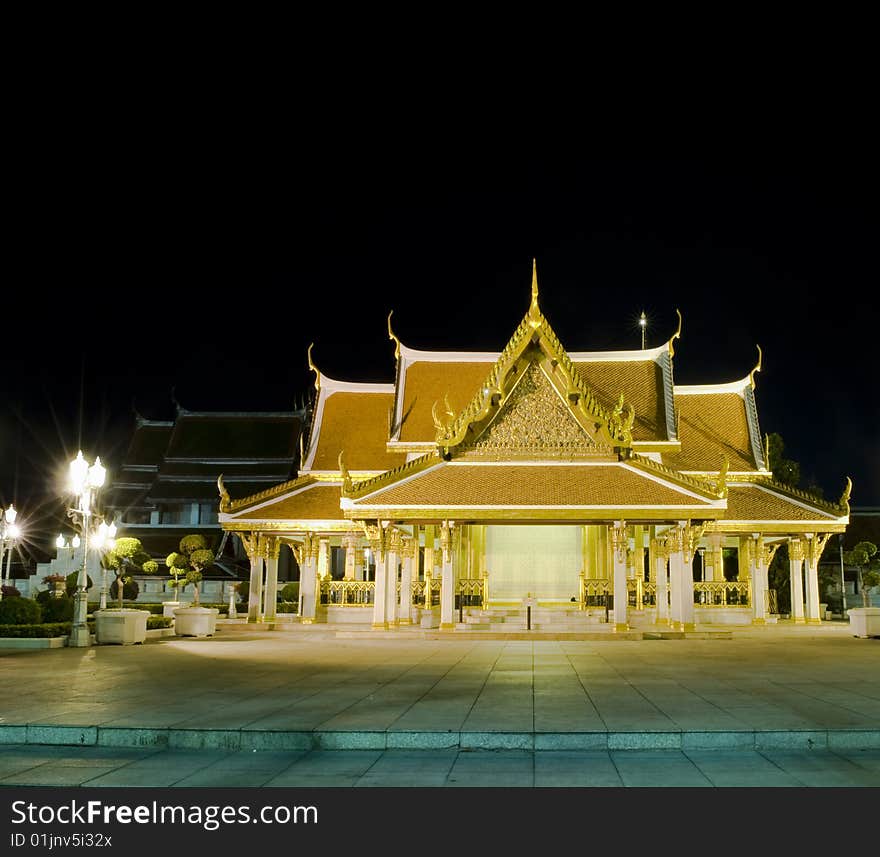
{"x": 195, "y": 621}
{"x": 124, "y": 627}
{"x": 169, "y": 607}
{"x": 864, "y": 621}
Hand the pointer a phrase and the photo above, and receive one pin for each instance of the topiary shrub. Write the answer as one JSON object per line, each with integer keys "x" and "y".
{"x": 72, "y": 584}
{"x": 127, "y": 554}
{"x": 19, "y": 611}
{"x": 290, "y": 591}
{"x": 55, "y": 609}
{"x": 130, "y": 589}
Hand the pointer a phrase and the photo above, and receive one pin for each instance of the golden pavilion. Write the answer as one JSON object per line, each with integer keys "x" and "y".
{"x": 579, "y": 489}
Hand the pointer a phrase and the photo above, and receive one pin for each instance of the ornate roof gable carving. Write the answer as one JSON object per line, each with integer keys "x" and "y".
{"x": 534, "y": 344}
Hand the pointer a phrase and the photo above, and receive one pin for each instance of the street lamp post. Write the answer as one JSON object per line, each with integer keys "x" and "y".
{"x": 643, "y": 324}
{"x": 9, "y": 532}
{"x": 85, "y": 481}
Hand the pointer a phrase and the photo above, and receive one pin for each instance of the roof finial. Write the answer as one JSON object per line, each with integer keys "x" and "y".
{"x": 847, "y": 492}
{"x": 534, "y": 310}
{"x": 676, "y": 335}
{"x": 224, "y": 494}
{"x": 346, "y": 476}
{"x": 756, "y": 369}
{"x": 314, "y": 368}
{"x": 393, "y": 338}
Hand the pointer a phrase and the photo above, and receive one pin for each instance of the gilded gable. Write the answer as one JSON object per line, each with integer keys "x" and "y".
{"x": 534, "y": 421}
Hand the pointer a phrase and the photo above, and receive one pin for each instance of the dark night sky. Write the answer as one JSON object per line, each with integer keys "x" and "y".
{"x": 212, "y": 275}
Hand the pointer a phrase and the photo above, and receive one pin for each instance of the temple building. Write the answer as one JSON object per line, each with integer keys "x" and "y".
{"x": 587, "y": 486}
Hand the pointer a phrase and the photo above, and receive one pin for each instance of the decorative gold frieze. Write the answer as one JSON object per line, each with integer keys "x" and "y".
{"x": 619, "y": 541}
{"x": 410, "y": 548}
{"x": 674, "y": 540}
{"x": 446, "y": 530}
{"x": 377, "y": 538}
{"x": 659, "y": 549}
{"x": 534, "y": 421}
{"x": 395, "y": 542}
{"x": 768, "y": 551}
{"x": 691, "y": 535}
{"x": 815, "y": 546}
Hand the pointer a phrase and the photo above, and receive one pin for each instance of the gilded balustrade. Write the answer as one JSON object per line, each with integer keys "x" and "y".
{"x": 594, "y": 591}
{"x": 348, "y": 593}
{"x": 722, "y": 593}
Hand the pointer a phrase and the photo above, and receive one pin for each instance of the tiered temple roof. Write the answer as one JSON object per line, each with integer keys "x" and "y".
{"x": 534, "y": 433}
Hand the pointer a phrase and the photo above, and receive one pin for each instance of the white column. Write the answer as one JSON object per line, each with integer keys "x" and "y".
{"x": 308, "y": 584}
{"x": 351, "y": 552}
{"x": 795, "y": 570}
{"x": 255, "y": 591}
{"x": 274, "y": 547}
{"x": 815, "y": 546}
{"x": 392, "y": 562}
{"x": 617, "y": 535}
{"x": 410, "y": 547}
{"x": 324, "y": 559}
{"x": 447, "y": 585}
{"x": 429, "y": 551}
{"x": 715, "y": 557}
{"x": 377, "y": 543}
{"x": 662, "y": 596}
{"x": 690, "y": 537}
{"x": 757, "y": 572}
{"x": 676, "y": 561}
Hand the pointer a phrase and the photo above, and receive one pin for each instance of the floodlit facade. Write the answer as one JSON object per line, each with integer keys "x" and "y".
{"x": 585, "y": 485}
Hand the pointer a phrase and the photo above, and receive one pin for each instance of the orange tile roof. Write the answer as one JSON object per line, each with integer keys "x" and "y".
{"x": 751, "y": 503}
{"x": 319, "y": 502}
{"x": 427, "y": 382}
{"x": 640, "y": 381}
{"x": 357, "y": 423}
{"x": 711, "y": 425}
{"x": 528, "y": 485}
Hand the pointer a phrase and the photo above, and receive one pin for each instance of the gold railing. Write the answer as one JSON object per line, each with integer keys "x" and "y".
{"x": 473, "y": 592}
{"x": 640, "y": 593}
{"x": 772, "y": 602}
{"x": 722, "y": 593}
{"x": 348, "y": 593}
{"x": 426, "y": 592}
{"x": 593, "y": 592}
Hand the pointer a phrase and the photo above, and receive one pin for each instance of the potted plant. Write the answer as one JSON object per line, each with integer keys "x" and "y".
{"x": 865, "y": 621}
{"x": 57, "y": 584}
{"x": 178, "y": 565}
{"x": 195, "y": 620}
{"x": 118, "y": 624}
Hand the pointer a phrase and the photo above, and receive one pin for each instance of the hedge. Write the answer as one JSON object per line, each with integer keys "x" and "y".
{"x": 19, "y": 611}
{"x": 154, "y": 622}
{"x": 46, "y": 629}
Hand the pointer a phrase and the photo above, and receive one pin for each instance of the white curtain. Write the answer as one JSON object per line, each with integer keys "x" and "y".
{"x": 543, "y": 560}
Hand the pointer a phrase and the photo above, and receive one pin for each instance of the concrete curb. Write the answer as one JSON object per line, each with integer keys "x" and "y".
{"x": 249, "y": 739}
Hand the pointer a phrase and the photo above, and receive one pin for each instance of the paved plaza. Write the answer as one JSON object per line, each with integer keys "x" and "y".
{"x": 778, "y": 705}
